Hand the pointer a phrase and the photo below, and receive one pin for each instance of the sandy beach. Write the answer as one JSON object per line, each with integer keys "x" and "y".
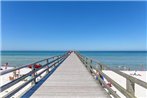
{"x": 4, "y": 79}
{"x": 139, "y": 91}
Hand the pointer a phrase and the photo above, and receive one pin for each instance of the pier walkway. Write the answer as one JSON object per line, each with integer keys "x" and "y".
{"x": 70, "y": 75}
{"x": 70, "y": 80}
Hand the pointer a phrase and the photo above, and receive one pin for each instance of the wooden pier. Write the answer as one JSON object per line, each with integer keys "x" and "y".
{"x": 70, "y": 75}
{"x": 71, "y": 80}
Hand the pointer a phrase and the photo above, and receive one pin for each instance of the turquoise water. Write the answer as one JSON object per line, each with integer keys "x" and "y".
{"x": 19, "y": 58}
{"x": 135, "y": 60}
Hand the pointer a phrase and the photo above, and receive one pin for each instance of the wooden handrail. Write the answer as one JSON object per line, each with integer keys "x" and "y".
{"x": 135, "y": 80}
{"x": 4, "y": 87}
{"x": 129, "y": 92}
{"x": 50, "y": 62}
{"x": 12, "y": 70}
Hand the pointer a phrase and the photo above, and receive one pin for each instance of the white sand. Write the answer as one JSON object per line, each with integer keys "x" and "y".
{"x": 139, "y": 91}
{"x": 4, "y": 79}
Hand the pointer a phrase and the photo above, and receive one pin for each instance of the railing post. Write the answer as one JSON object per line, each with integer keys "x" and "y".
{"x": 90, "y": 64}
{"x": 33, "y": 75}
{"x": 101, "y": 67}
{"x": 58, "y": 59}
{"x": 82, "y": 59}
{"x": 85, "y": 61}
{"x": 100, "y": 76}
{"x": 47, "y": 66}
{"x": 130, "y": 86}
{"x": 54, "y": 64}
{"x": 53, "y": 58}
{"x": 46, "y": 60}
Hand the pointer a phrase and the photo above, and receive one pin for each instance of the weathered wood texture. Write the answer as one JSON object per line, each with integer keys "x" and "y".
{"x": 49, "y": 64}
{"x": 92, "y": 65}
{"x": 70, "y": 80}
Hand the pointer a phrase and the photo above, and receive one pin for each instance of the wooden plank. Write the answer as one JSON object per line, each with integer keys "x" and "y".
{"x": 71, "y": 80}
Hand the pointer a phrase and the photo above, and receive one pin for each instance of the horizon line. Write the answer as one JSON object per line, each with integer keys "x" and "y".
{"x": 73, "y": 50}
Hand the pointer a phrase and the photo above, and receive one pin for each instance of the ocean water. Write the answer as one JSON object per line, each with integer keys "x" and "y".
{"x": 135, "y": 60}
{"x": 19, "y": 58}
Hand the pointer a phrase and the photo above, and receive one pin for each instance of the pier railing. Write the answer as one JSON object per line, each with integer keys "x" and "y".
{"x": 96, "y": 68}
{"x": 35, "y": 75}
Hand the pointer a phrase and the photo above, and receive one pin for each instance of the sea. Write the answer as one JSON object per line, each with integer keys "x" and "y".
{"x": 124, "y": 60}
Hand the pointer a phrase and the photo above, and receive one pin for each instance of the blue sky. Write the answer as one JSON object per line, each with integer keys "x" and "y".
{"x": 73, "y": 25}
